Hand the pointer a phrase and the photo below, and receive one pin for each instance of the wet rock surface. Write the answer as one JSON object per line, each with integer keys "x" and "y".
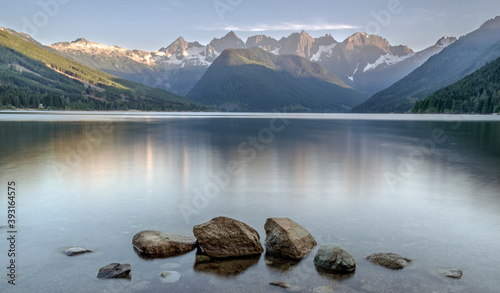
{"x": 287, "y": 239}
{"x": 224, "y": 237}
{"x": 76, "y": 250}
{"x": 163, "y": 244}
{"x": 451, "y": 273}
{"x": 335, "y": 260}
{"x": 284, "y": 285}
{"x": 114, "y": 271}
{"x": 390, "y": 260}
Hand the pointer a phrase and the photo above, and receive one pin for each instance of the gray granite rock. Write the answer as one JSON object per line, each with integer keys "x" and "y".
{"x": 390, "y": 260}
{"x": 451, "y": 273}
{"x": 76, "y": 250}
{"x": 114, "y": 271}
{"x": 163, "y": 244}
{"x": 333, "y": 259}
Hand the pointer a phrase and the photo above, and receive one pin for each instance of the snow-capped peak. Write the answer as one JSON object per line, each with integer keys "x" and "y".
{"x": 92, "y": 48}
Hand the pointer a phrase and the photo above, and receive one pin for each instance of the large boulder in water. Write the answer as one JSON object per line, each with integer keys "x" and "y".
{"x": 163, "y": 244}
{"x": 225, "y": 237}
{"x": 333, "y": 259}
{"x": 389, "y": 260}
{"x": 287, "y": 239}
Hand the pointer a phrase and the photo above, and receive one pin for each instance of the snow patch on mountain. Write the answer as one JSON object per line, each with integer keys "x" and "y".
{"x": 276, "y": 51}
{"x": 388, "y": 59}
{"x": 323, "y": 49}
{"x": 354, "y": 73}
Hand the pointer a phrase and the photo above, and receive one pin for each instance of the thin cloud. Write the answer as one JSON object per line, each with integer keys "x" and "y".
{"x": 164, "y": 9}
{"x": 281, "y": 27}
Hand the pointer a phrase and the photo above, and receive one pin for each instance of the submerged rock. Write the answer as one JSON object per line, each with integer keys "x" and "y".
{"x": 76, "y": 250}
{"x": 324, "y": 289}
{"x": 114, "y": 270}
{"x": 202, "y": 258}
{"x": 283, "y": 285}
{"x": 287, "y": 239}
{"x": 225, "y": 237}
{"x": 451, "y": 273}
{"x": 163, "y": 244}
{"x": 333, "y": 259}
{"x": 390, "y": 260}
{"x": 169, "y": 276}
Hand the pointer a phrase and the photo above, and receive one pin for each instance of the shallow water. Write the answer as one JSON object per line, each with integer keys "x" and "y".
{"x": 426, "y": 187}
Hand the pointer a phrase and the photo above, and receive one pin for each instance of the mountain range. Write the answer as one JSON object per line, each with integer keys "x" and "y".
{"x": 297, "y": 73}
{"x": 254, "y": 80}
{"x": 367, "y": 63}
{"x": 463, "y": 57}
{"x": 32, "y": 76}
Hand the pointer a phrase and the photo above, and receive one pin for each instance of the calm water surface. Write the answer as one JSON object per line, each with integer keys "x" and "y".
{"x": 425, "y": 187}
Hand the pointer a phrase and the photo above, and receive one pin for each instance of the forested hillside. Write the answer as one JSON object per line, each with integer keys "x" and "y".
{"x": 468, "y": 54}
{"x": 476, "y": 93}
{"x": 31, "y": 76}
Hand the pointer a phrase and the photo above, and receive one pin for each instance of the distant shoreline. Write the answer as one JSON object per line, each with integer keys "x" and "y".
{"x": 33, "y": 114}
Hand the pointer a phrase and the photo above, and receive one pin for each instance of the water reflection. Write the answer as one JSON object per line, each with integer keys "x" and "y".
{"x": 280, "y": 264}
{"x": 225, "y": 267}
{"x": 337, "y": 277}
{"x": 331, "y": 176}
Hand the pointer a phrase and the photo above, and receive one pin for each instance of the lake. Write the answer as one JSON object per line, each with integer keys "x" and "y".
{"x": 426, "y": 187}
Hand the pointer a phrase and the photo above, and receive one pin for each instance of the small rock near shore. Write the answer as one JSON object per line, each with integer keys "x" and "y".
{"x": 390, "y": 260}
{"x": 333, "y": 259}
{"x": 451, "y": 273}
{"x": 76, "y": 250}
{"x": 163, "y": 244}
{"x": 225, "y": 237}
{"x": 283, "y": 285}
{"x": 114, "y": 271}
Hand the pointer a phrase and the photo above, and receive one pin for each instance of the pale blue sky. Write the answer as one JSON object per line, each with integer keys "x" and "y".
{"x": 152, "y": 24}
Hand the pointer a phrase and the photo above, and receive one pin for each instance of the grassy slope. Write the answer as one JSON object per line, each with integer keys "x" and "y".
{"x": 42, "y": 83}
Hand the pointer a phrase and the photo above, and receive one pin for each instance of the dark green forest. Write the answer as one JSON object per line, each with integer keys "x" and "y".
{"x": 31, "y": 77}
{"x": 476, "y": 93}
